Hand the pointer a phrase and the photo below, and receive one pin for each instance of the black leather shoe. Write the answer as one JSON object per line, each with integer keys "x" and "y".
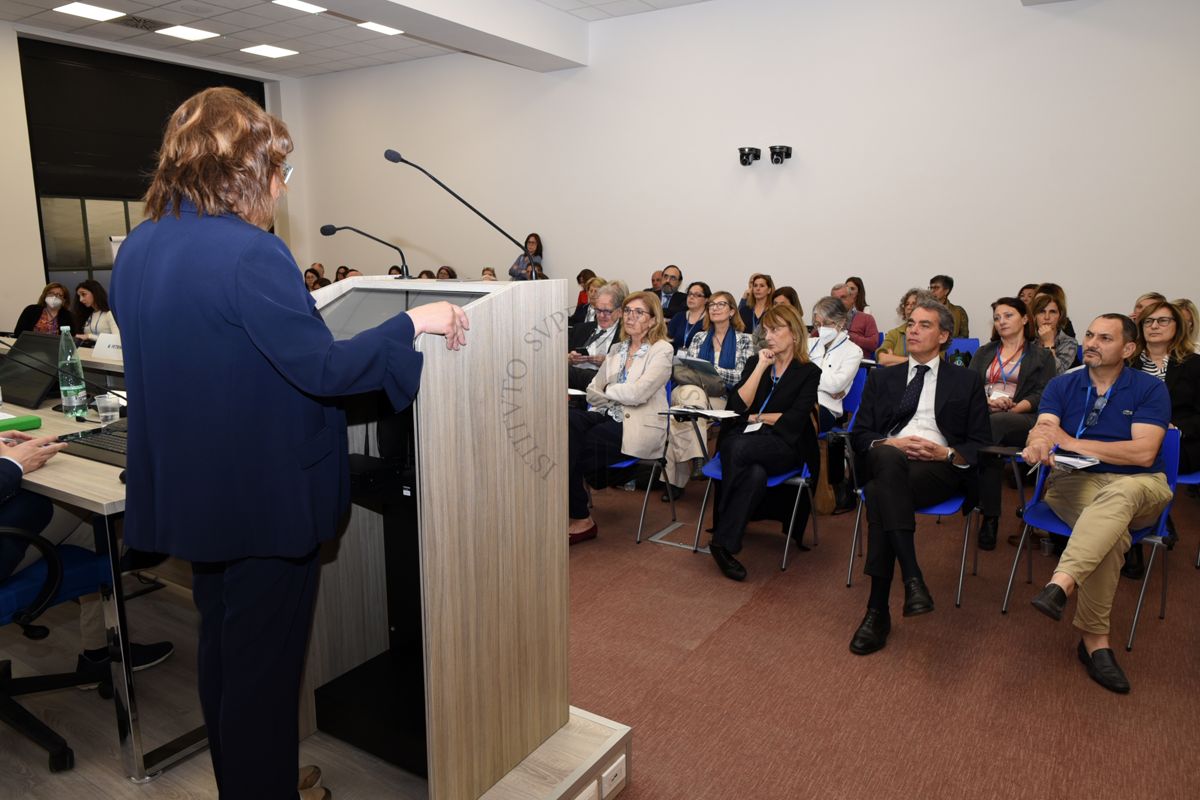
{"x": 872, "y": 633}
{"x": 987, "y": 533}
{"x": 917, "y": 599}
{"x": 1135, "y": 563}
{"x": 1102, "y": 668}
{"x": 730, "y": 566}
{"x": 670, "y": 492}
{"x": 1051, "y": 601}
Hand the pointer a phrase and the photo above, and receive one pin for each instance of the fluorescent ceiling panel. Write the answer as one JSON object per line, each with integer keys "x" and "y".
{"x": 90, "y": 12}
{"x": 270, "y": 51}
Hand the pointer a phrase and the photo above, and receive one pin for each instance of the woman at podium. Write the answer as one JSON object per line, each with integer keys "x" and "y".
{"x": 237, "y": 457}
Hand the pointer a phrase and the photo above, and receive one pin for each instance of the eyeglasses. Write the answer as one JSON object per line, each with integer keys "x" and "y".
{"x": 1094, "y": 415}
{"x": 287, "y": 172}
{"x": 1162, "y": 322}
{"x": 718, "y": 304}
{"x": 635, "y": 313}
{"x": 607, "y": 312}
{"x": 696, "y": 294}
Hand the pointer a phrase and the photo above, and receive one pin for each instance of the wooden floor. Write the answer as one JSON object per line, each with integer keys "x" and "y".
{"x": 169, "y": 706}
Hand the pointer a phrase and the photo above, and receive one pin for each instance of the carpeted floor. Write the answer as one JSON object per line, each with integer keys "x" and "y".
{"x": 748, "y": 690}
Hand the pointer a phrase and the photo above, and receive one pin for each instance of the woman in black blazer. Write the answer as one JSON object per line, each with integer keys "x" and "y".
{"x": 1015, "y": 371}
{"x": 777, "y": 396}
{"x": 49, "y": 314}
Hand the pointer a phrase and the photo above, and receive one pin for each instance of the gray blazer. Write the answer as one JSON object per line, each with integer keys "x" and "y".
{"x": 643, "y": 397}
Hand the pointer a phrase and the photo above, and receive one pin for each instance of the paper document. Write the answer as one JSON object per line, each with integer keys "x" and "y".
{"x": 576, "y": 393}
{"x": 712, "y": 413}
{"x": 1070, "y": 463}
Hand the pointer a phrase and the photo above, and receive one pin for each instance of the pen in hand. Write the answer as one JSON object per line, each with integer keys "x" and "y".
{"x": 1034, "y": 469}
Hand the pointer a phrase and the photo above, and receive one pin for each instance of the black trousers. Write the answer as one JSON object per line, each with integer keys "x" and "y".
{"x": 898, "y": 487}
{"x": 255, "y": 617}
{"x": 1008, "y": 430}
{"x": 593, "y": 444}
{"x": 747, "y": 460}
{"x": 836, "y": 448}
{"x": 579, "y": 378}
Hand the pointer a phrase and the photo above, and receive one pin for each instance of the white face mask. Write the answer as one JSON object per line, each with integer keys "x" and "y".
{"x": 53, "y": 302}
{"x": 826, "y": 334}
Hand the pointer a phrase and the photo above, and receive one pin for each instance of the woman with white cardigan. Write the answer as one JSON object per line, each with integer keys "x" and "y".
{"x": 94, "y": 315}
{"x": 839, "y": 360}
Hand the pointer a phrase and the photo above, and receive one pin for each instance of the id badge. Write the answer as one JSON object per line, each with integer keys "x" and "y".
{"x": 752, "y": 427}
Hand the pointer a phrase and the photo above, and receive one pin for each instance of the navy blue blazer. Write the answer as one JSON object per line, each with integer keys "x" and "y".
{"x": 237, "y": 447}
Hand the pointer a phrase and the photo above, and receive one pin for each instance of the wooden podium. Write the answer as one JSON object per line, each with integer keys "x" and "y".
{"x": 488, "y": 594}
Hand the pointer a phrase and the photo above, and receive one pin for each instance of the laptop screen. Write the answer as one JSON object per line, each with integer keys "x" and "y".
{"x": 29, "y": 370}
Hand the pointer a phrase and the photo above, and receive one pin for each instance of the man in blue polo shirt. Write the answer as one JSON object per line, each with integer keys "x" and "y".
{"x": 1120, "y": 416}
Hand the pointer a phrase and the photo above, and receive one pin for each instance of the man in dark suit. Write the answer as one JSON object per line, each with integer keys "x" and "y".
{"x": 593, "y": 337}
{"x": 917, "y": 436}
{"x": 673, "y": 301}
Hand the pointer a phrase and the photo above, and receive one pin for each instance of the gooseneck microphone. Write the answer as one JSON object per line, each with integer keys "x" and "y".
{"x": 396, "y": 158}
{"x": 330, "y": 230}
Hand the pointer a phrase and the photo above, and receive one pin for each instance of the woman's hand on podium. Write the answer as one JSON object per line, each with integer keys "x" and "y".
{"x": 443, "y": 319}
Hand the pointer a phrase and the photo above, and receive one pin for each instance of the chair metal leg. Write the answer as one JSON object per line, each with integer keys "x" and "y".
{"x": 1137, "y": 612}
{"x": 1029, "y": 561}
{"x": 1162, "y": 608}
{"x": 1012, "y": 575}
{"x": 962, "y": 567}
{"x": 787, "y": 541}
{"x": 700, "y": 519}
{"x": 670, "y": 494}
{"x": 857, "y": 513}
{"x": 645, "y": 501}
{"x": 855, "y": 543}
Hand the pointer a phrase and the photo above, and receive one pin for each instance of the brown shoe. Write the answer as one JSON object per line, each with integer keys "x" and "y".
{"x": 316, "y": 793}
{"x": 310, "y": 777}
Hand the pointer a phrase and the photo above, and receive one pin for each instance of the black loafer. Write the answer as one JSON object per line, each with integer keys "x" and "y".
{"x": 917, "y": 599}
{"x": 730, "y": 566}
{"x": 872, "y": 633}
{"x": 987, "y": 533}
{"x": 1102, "y": 668}
{"x": 672, "y": 492}
{"x": 1051, "y": 601}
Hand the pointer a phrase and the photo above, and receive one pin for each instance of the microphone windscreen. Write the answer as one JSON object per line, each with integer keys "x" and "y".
{"x": 393, "y": 156}
{"x": 328, "y": 230}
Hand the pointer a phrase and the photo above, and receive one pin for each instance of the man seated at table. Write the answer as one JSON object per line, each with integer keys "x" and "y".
{"x": 918, "y": 432}
{"x": 1120, "y": 416}
{"x": 31, "y": 513}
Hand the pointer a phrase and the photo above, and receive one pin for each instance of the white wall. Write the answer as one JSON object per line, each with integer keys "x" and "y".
{"x": 999, "y": 143}
{"x": 22, "y": 269}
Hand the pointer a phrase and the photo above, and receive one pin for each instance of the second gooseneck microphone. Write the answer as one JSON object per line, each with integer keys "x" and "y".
{"x": 330, "y": 230}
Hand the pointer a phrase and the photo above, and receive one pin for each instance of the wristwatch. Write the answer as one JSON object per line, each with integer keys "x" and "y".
{"x": 950, "y": 455}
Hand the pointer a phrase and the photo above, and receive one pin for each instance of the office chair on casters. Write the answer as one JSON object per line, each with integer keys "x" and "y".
{"x": 1038, "y": 515}
{"x": 63, "y": 573}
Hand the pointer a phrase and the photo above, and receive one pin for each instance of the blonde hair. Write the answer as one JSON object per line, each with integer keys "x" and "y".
{"x": 593, "y": 283}
{"x": 220, "y": 151}
{"x": 786, "y": 316}
{"x": 1181, "y": 343}
{"x": 1192, "y": 318}
{"x": 658, "y": 330}
{"x": 735, "y": 321}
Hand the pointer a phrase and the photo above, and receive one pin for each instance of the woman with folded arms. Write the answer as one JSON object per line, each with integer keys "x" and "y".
{"x": 723, "y": 344}
{"x": 1015, "y": 371}
{"x": 94, "y": 315}
{"x": 1050, "y": 319}
{"x": 627, "y": 398}
{"x": 776, "y": 394}
{"x": 894, "y": 349}
{"x": 683, "y": 327}
{"x": 761, "y": 289}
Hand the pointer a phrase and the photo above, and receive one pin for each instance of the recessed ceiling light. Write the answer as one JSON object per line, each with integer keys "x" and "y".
{"x": 184, "y": 32}
{"x": 90, "y": 12}
{"x": 300, "y": 5}
{"x": 270, "y": 51}
{"x": 375, "y": 26}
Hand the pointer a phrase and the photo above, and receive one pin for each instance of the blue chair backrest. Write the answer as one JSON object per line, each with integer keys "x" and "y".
{"x": 963, "y": 346}
{"x": 853, "y": 397}
{"x": 882, "y": 335}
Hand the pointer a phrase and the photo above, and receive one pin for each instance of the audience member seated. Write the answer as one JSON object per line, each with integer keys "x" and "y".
{"x": 941, "y": 286}
{"x": 1015, "y": 370}
{"x": 691, "y": 320}
{"x": 917, "y": 434}
{"x": 776, "y": 396}
{"x": 353, "y": 273}
{"x": 787, "y": 295}
{"x": 311, "y": 279}
{"x": 1060, "y": 297}
{"x": 487, "y": 274}
{"x": 1050, "y": 318}
{"x": 94, "y": 315}
{"x": 894, "y": 349}
{"x": 1027, "y": 293}
{"x": 589, "y": 342}
{"x": 319, "y": 267}
{"x": 1187, "y": 310}
{"x": 1142, "y": 302}
{"x": 669, "y": 296}
{"x": 857, "y": 293}
{"x": 839, "y": 359}
{"x": 655, "y": 281}
{"x": 32, "y": 513}
{"x": 627, "y": 397}
{"x": 587, "y": 311}
{"x": 1164, "y": 351}
{"x": 581, "y": 280}
{"x": 425, "y": 274}
{"x": 758, "y": 301}
{"x": 1120, "y": 416}
{"x": 723, "y": 344}
{"x": 862, "y": 328}
{"x": 528, "y": 266}
{"x": 445, "y": 273}
{"x": 394, "y": 269}
{"x": 340, "y": 273}
{"x": 51, "y": 312}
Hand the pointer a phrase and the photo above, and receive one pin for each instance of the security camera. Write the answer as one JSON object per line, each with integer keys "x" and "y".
{"x": 779, "y": 152}
{"x": 748, "y": 155}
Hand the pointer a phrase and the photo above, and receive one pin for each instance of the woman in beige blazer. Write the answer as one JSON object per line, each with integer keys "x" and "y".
{"x": 625, "y": 400}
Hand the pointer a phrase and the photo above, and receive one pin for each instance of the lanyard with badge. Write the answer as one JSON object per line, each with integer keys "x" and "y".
{"x": 998, "y": 374}
{"x": 813, "y": 349}
{"x": 754, "y": 426}
{"x": 1089, "y": 419}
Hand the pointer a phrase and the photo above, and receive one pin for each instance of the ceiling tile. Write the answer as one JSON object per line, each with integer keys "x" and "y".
{"x": 621, "y": 8}
{"x": 242, "y": 20}
{"x": 565, "y": 5}
{"x": 110, "y": 31}
{"x": 285, "y": 30}
{"x": 14, "y": 11}
{"x": 197, "y": 8}
{"x": 275, "y": 13}
{"x": 319, "y": 22}
{"x": 58, "y": 21}
{"x": 235, "y": 4}
{"x": 590, "y": 14}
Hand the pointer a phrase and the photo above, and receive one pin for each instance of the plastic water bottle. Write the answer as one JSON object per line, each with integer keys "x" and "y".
{"x": 70, "y": 377}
